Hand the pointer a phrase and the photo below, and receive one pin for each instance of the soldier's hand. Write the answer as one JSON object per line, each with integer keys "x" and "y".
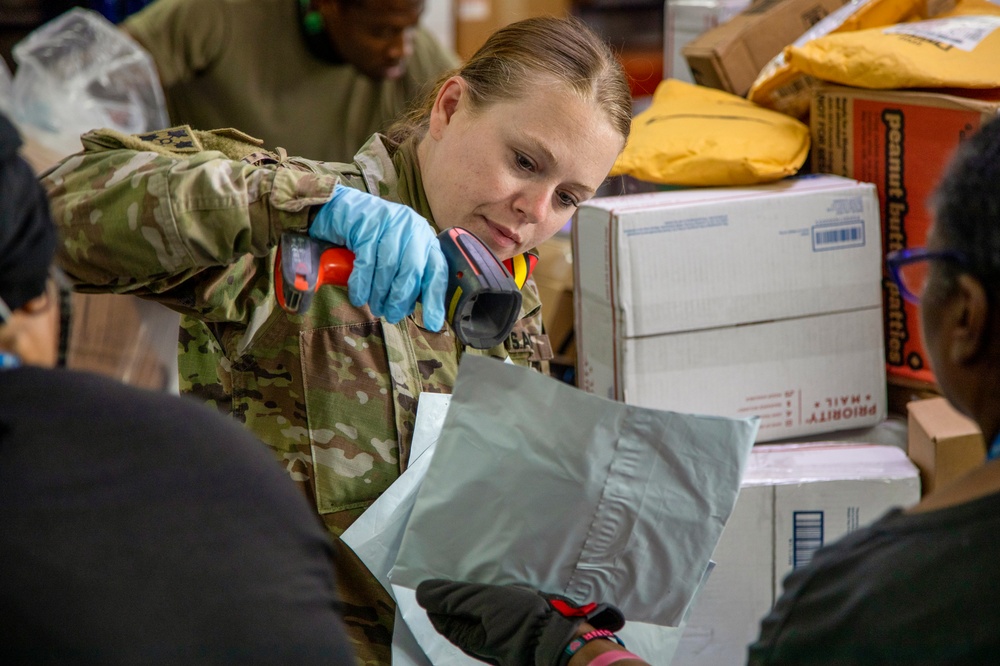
{"x": 397, "y": 256}
{"x": 509, "y": 625}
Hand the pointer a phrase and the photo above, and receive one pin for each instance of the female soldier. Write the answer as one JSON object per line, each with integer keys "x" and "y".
{"x": 507, "y": 147}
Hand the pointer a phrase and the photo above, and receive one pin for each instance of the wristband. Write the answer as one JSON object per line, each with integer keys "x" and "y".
{"x": 607, "y": 658}
{"x": 577, "y": 643}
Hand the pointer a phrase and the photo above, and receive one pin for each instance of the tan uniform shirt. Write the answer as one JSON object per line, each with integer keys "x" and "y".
{"x": 244, "y": 64}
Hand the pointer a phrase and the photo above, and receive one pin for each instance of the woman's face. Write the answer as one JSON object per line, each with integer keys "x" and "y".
{"x": 514, "y": 173}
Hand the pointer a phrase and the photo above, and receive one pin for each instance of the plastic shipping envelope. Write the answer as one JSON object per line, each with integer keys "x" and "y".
{"x": 535, "y": 481}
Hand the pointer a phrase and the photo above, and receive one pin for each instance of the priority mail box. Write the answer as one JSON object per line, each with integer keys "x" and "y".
{"x": 794, "y": 499}
{"x": 761, "y": 300}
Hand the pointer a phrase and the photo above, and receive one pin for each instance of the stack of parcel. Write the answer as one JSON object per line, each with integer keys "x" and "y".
{"x": 749, "y": 278}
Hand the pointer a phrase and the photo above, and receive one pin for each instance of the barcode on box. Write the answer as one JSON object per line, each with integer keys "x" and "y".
{"x": 839, "y": 236}
{"x": 807, "y": 536}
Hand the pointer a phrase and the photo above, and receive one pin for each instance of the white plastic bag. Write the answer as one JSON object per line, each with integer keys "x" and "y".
{"x": 79, "y": 72}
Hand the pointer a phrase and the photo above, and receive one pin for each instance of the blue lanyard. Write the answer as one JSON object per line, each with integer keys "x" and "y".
{"x": 9, "y": 361}
{"x": 994, "y": 451}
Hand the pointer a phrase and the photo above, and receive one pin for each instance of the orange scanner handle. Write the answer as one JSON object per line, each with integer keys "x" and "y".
{"x": 302, "y": 265}
{"x": 335, "y": 266}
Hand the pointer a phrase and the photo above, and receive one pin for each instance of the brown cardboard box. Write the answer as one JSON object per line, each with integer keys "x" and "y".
{"x": 943, "y": 443}
{"x": 125, "y": 338}
{"x": 731, "y": 55}
{"x": 475, "y": 20}
{"x": 554, "y": 277}
{"x": 900, "y": 140}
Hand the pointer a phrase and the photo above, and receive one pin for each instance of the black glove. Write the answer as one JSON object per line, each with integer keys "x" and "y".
{"x": 510, "y": 625}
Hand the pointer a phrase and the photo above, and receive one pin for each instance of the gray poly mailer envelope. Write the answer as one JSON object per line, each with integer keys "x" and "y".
{"x": 533, "y": 480}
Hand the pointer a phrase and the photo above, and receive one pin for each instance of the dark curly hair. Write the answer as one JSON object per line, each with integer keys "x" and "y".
{"x": 966, "y": 202}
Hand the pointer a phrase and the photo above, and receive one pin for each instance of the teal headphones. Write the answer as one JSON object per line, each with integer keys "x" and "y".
{"x": 312, "y": 20}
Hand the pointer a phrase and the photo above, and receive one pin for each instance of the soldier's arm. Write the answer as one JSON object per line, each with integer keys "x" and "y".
{"x": 142, "y": 222}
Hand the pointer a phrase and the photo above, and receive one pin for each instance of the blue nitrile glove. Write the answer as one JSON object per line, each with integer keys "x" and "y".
{"x": 397, "y": 257}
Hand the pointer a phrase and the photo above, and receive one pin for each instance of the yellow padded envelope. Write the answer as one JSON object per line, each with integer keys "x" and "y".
{"x": 958, "y": 49}
{"x": 692, "y": 135}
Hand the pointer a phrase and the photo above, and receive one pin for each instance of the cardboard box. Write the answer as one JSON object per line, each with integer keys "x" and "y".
{"x": 901, "y": 141}
{"x": 730, "y": 56}
{"x": 942, "y": 442}
{"x": 794, "y": 499}
{"x": 125, "y": 338}
{"x": 476, "y": 20}
{"x": 762, "y": 300}
{"x": 554, "y": 277}
{"x": 685, "y": 20}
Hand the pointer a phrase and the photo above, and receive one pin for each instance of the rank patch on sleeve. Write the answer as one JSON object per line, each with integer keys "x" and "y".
{"x": 179, "y": 139}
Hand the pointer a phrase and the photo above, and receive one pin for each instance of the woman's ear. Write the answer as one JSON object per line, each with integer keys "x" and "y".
{"x": 969, "y": 321}
{"x": 446, "y": 104}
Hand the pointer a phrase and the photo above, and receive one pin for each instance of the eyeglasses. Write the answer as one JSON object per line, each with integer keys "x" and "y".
{"x": 910, "y": 268}
{"x": 61, "y": 284}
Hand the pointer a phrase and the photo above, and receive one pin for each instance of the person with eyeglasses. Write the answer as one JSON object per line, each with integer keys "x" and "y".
{"x": 920, "y": 585}
{"x": 118, "y": 543}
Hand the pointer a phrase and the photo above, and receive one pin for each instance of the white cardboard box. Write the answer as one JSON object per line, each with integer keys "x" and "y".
{"x": 762, "y": 300}
{"x": 793, "y": 499}
{"x": 683, "y": 20}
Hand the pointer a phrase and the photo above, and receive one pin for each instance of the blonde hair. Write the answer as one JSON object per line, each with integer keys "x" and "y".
{"x": 529, "y": 53}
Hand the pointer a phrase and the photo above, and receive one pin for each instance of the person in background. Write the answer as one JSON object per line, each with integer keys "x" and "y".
{"x": 507, "y": 147}
{"x": 919, "y": 586}
{"x": 315, "y": 77}
{"x": 120, "y": 542}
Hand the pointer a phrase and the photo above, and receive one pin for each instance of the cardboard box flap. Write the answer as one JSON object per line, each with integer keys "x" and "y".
{"x": 699, "y": 259}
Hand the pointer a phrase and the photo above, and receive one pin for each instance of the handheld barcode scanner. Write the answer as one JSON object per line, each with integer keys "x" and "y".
{"x": 483, "y": 301}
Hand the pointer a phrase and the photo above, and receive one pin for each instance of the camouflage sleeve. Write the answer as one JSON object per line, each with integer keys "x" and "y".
{"x": 148, "y": 224}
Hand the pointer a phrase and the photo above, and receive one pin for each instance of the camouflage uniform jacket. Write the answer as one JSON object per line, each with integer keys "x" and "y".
{"x": 192, "y": 219}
